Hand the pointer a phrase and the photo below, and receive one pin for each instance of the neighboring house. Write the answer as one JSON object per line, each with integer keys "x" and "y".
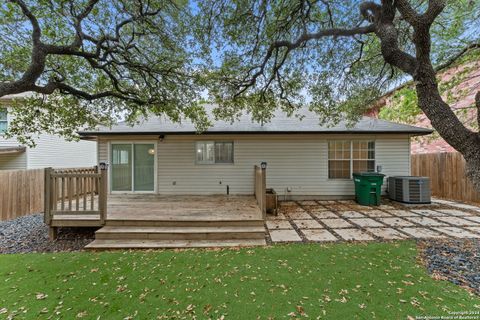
{"x": 458, "y": 85}
{"x": 50, "y": 150}
{"x": 305, "y": 160}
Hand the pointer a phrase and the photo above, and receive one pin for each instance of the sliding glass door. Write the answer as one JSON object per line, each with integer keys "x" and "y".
{"x": 133, "y": 167}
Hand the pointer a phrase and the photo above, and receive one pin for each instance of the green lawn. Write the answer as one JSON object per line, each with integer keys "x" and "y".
{"x": 338, "y": 281}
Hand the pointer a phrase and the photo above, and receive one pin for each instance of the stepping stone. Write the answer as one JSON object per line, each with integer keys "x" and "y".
{"x": 314, "y": 209}
{"x": 360, "y": 207}
{"x": 326, "y": 201}
{"x": 336, "y": 223}
{"x": 464, "y": 206}
{"x": 421, "y": 233}
{"x": 376, "y": 213}
{"x": 346, "y": 201}
{"x": 325, "y": 214}
{"x": 308, "y": 224}
{"x": 299, "y": 215}
{"x": 457, "y": 221}
{"x": 308, "y": 203}
{"x": 473, "y": 218}
{"x": 338, "y": 208}
{"x": 402, "y": 213}
{"x": 424, "y": 221}
{"x": 454, "y": 212}
{"x": 284, "y": 236}
{"x": 353, "y": 234}
{"x": 442, "y": 201}
{"x": 474, "y": 229}
{"x": 387, "y": 233}
{"x": 457, "y": 232}
{"x": 396, "y": 222}
{"x": 288, "y": 204}
{"x": 385, "y": 207}
{"x": 319, "y": 235}
{"x": 351, "y": 214}
{"x": 279, "y": 216}
{"x": 279, "y": 224}
{"x": 366, "y": 222}
{"x": 428, "y": 213}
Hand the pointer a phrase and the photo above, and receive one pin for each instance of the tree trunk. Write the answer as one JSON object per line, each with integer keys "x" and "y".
{"x": 447, "y": 124}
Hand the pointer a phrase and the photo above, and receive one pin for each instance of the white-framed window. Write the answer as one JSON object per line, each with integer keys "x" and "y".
{"x": 3, "y": 120}
{"x": 211, "y": 152}
{"x": 346, "y": 157}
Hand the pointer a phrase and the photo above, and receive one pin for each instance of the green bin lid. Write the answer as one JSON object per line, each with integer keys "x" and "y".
{"x": 368, "y": 174}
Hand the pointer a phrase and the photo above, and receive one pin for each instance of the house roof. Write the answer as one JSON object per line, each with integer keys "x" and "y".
{"x": 280, "y": 123}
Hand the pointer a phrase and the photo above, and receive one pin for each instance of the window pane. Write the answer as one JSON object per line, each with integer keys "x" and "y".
{"x": 144, "y": 171}
{"x": 3, "y": 114}
{"x": 3, "y": 120}
{"x": 371, "y": 165}
{"x": 205, "y": 152}
{"x": 224, "y": 152}
{"x": 371, "y": 154}
{"x": 339, "y": 169}
{"x": 363, "y": 166}
{"x": 346, "y": 153}
{"x": 121, "y": 167}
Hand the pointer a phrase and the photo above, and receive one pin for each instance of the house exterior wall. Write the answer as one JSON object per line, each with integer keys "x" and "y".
{"x": 13, "y": 161}
{"x": 16, "y": 161}
{"x": 50, "y": 151}
{"x": 53, "y": 151}
{"x": 295, "y": 162}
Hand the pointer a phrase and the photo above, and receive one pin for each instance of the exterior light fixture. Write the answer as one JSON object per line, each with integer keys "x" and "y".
{"x": 263, "y": 165}
{"x": 151, "y": 151}
{"x": 103, "y": 165}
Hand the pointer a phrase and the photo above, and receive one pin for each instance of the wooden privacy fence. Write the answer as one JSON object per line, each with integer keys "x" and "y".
{"x": 260, "y": 186}
{"x": 75, "y": 191}
{"x": 447, "y": 174}
{"x": 21, "y": 193}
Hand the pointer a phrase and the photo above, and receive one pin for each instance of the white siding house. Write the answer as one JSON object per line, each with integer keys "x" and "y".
{"x": 50, "y": 150}
{"x": 300, "y": 164}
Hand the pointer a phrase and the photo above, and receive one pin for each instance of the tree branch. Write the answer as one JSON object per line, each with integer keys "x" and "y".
{"x": 36, "y": 31}
{"x": 289, "y": 45}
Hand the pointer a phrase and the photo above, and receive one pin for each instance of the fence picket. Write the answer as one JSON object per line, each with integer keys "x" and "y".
{"x": 447, "y": 175}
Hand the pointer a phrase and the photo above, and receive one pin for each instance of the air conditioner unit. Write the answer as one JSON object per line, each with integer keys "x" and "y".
{"x": 409, "y": 189}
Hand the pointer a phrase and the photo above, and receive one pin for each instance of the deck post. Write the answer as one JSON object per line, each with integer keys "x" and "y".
{"x": 47, "y": 196}
{"x": 102, "y": 194}
{"x": 264, "y": 191}
{"x": 97, "y": 185}
{"x": 52, "y": 233}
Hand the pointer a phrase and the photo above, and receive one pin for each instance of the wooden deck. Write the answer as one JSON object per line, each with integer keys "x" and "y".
{"x": 156, "y": 221}
{"x": 166, "y": 208}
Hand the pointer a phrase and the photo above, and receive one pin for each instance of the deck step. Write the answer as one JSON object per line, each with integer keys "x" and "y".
{"x": 181, "y": 233}
{"x": 184, "y": 223}
{"x": 159, "y": 244}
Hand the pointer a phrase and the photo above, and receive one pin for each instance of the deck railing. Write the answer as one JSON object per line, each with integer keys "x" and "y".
{"x": 75, "y": 191}
{"x": 260, "y": 186}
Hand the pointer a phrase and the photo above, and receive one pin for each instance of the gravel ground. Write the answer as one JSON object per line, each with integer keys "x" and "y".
{"x": 30, "y": 234}
{"x": 456, "y": 260}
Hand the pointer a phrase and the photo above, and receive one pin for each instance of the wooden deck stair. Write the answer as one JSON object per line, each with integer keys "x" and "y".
{"x": 178, "y": 234}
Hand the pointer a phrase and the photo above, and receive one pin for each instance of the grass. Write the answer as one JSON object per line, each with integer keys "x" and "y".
{"x": 337, "y": 281}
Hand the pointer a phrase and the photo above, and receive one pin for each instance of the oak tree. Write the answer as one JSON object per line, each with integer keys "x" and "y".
{"x": 337, "y": 57}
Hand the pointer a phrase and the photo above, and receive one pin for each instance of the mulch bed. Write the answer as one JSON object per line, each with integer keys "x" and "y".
{"x": 455, "y": 260}
{"x": 30, "y": 234}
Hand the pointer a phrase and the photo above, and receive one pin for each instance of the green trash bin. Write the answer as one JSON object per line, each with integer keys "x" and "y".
{"x": 368, "y": 188}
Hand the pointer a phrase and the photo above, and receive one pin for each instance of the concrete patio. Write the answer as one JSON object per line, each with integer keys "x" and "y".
{"x": 344, "y": 220}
